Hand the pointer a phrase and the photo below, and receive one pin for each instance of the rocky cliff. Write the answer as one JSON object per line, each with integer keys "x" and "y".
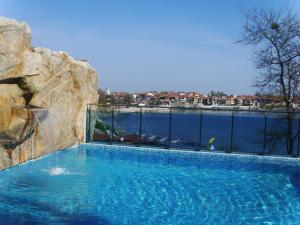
{"x": 43, "y": 96}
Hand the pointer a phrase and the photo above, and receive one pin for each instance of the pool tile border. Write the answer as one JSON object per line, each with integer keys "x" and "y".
{"x": 188, "y": 154}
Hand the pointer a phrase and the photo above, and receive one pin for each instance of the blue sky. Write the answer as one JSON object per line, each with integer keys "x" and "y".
{"x": 138, "y": 45}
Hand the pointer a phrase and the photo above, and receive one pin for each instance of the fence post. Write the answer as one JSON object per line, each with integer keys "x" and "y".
{"x": 90, "y": 115}
{"x": 112, "y": 126}
{"x": 298, "y": 137}
{"x": 265, "y": 134}
{"x": 87, "y": 125}
{"x": 140, "y": 132}
{"x": 231, "y": 132}
{"x": 200, "y": 131}
{"x": 170, "y": 128}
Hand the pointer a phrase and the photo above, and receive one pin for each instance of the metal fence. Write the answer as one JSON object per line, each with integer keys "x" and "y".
{"x": 244, "y": 131}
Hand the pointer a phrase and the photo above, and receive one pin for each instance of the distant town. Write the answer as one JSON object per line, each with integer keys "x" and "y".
{"x": 191, "y": 100}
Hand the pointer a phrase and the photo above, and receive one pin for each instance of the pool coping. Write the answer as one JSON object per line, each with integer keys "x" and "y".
{"x": 186, "y": 153}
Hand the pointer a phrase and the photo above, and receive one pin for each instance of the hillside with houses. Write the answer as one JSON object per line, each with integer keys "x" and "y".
{"x": 191, "y": 100}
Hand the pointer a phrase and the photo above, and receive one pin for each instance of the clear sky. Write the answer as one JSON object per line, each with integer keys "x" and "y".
{"x": 138, "y": 45}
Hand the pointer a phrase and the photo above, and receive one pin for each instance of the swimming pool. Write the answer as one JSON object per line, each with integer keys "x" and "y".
{"x": 106, "y": 184}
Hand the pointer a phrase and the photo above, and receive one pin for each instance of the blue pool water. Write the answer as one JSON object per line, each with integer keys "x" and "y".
{"x": 99, "y": 184}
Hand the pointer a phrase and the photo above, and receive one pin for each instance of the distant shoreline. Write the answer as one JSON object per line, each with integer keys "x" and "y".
{"x": 167, "y": 109}
{"x": 211, "y": 108}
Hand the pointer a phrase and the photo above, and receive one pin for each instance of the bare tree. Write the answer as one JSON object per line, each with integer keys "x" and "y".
{"x": 275, "y": 37}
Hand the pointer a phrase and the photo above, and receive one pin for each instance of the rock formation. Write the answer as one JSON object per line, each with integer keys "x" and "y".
{"x": 43, "y": 96}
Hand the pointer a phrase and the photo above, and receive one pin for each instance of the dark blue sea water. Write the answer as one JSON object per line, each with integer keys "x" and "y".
{"x": 112, "y": 185}
{"x": 188, "y": 130}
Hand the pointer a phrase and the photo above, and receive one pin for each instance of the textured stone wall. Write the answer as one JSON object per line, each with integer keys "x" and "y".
{"x": 43, "y": 96}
